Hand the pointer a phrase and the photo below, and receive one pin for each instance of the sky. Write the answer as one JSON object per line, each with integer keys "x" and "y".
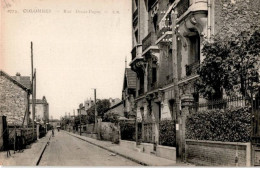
{"x": 73, "y": 52}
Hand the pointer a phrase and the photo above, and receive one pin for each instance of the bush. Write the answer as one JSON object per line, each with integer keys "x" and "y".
{"x": 127, "y": 131}
{"x": 111, "y": 117}
{"x": 230, "y": 125}
{"x": 167, "y": 133}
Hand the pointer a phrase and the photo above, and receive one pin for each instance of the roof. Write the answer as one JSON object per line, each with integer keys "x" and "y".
{"x": 130, "y": 77}
{"x": 24, "y": 80}
{"x": 19, "y": 83}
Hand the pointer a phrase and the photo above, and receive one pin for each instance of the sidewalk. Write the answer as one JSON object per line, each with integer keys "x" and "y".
{"x": 139, "y": 157}
{"x": 29, "y": 157}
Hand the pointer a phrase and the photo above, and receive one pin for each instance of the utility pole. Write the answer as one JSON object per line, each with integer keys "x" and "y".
{"x": 79, "y": 121}
{"x": 32, "y": 89}
{"x": 95, "y": 99}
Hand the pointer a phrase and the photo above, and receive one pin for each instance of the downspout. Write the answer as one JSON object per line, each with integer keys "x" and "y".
{"x": 209, "y": 20}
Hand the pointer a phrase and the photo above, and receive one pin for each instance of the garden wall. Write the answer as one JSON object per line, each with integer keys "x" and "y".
{"x": 216, "y": 153}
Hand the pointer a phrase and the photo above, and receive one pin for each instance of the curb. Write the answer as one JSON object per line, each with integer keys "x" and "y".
{"x": 127, "y": 157}
{"x": 36, "y": 163}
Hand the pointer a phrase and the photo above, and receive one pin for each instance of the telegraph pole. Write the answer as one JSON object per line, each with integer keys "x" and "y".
{"x": 95, "y": 99}
{"x": 32, "y": 89}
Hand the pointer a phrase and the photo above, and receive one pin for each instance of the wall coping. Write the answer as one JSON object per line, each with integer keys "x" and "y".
{"x": 128, "y": 141}
{"x": 147, "y": 144}
{"x": 166, "y": 147}
{"x": 218, "y": 142}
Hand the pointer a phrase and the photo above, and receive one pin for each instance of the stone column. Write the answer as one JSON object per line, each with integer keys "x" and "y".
{"x": 187, "y": 101}
{"x": 38, "y": 130}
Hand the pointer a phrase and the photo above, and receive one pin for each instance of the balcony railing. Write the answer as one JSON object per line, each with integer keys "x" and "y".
{"x": 135, "y": 14}
{"x": 192, "y": 68}
{"x": 163, "y": 31}
{"x": 149, "y": 40}
{"x": 182, "y": 7}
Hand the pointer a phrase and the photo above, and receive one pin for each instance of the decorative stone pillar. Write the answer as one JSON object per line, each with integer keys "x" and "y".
{"x": 38, "y": 130}
{"x": 187, "y": 101}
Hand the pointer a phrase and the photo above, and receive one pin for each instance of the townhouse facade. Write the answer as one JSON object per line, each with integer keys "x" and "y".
{"x": 167, "y": 39}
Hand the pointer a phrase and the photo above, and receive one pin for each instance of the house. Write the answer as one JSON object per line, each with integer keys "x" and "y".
{"x": 117, "y": 109}
{"x": 14, "y": 96}
{"x": 128, "y": 93}
{"x": 41, "y": 110}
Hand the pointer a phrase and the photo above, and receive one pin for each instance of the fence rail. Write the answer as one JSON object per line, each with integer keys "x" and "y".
{"x": 222, "y": 104}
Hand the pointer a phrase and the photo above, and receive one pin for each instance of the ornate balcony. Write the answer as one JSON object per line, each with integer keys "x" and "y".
{"x": 192, "y": 68}
{"x": 182, "y": 7}
{"x": 149, "y": 42}
{"x": 137, "y": 52}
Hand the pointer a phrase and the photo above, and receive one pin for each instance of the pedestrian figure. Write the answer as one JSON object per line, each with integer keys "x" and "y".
{"x": 52, "y": 132}
{"x": 8, "y": 147}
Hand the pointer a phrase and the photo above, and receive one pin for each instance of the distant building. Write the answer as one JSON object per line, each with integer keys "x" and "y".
{"x": 128, "y": 93}
{"x": 14, "y": 97}
{"x": 117, "y": 109}
{"x": 41, "y": 110}
{"x": 114, "y": 101}
{"x": 81, "y": 110}
{"x": 88, "y": 104}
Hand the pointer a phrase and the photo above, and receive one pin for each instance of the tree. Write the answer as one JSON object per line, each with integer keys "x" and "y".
{"x": 230, "y": 63}
{"x": 111, "y": 117}
{"x": 102, "y": 106}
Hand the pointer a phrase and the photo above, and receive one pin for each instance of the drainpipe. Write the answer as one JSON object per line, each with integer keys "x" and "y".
{"x": 209, "y": 20}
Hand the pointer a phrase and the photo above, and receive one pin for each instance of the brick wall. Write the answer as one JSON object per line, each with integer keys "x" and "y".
{"x": 213, "y": 153}
{"x": 13, "y": 101}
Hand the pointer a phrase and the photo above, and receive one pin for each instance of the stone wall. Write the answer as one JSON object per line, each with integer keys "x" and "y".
{"x": 13, "y": 101}
{"x": 214, "y": 153}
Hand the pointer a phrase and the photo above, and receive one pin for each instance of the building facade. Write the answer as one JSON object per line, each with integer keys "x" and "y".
{"x": 168, "y": 37}
{"x": 14, "y": 99}
{"x": 128, "y": 93}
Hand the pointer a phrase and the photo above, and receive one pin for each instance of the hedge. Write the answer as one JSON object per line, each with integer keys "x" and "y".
{"x": 167, "y": 133}
{"x": 230, "y": 125}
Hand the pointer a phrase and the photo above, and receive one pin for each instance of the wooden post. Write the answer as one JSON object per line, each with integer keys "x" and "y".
{"x": 32, "y": 89}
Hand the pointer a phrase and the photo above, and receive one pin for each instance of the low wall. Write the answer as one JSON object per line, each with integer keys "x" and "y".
{"x": 166, "y": 152}
{"x": 128, "y": 144}
{"x": 215, "y": 153}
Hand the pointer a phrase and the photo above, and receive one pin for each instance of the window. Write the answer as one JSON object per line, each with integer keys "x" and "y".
{"x": 154, "y": 75}
{"x": 194, "y": 48}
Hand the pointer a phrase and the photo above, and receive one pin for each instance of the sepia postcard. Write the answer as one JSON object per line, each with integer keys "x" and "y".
{"x": 130, "y": 83}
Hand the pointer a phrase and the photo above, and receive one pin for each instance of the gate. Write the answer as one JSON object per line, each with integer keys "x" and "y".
{"x": 256, "y": 132}
{"x": 148, "y": 132}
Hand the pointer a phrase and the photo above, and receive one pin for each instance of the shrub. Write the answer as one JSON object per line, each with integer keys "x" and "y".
{"x": 127, "y": 131}
{"x": 230, "y": 125}
{"x": 167, "y": 133}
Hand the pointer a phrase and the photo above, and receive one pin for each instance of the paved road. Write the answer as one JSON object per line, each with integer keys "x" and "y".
{"x": 66, "y": 150}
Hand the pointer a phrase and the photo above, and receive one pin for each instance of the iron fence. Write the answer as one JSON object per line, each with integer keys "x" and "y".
{"x": 224, "y": 103}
